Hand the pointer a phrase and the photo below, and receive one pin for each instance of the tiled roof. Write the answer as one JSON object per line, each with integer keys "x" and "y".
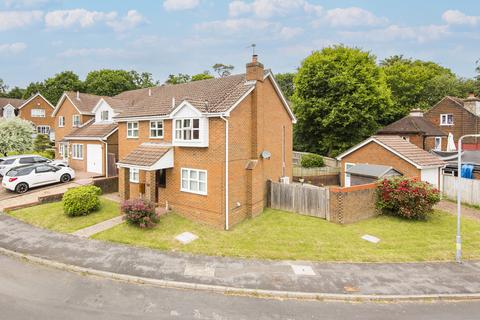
{"x": 85, "y": 102}
{"x": 14, "y": 102}
{"x": 92, "y": 130}
{"x": 118, "y": 104}
{"x": 145, "y": 155}
{"x": 410, "y": 151}
{"x": 412, "y": 124}
{"x": 211, "y": 95}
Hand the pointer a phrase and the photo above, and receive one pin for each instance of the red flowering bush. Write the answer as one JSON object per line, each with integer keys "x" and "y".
{"x": 140, "y": 212}
{"x": 407, "y": 198}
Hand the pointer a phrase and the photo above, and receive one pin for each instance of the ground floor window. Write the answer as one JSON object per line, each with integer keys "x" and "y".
{"x": 134, "y": 175}
{"x": 438, "y": 143}
{"x": 77, "y": 151}
{"x": 63, "y": 150}
{"x": 194, "y": 181}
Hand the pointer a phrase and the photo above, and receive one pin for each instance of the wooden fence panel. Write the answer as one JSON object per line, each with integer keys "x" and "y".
{"x": 303, "y": 199}
{"x": 470, "y": 189}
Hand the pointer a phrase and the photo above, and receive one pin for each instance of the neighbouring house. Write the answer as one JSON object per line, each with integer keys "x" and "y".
{"x": 416, "y": 129}
{"x": 362, "y": 173}
{"x": 393, "y": 151}
{"x": 36, "y": 109}
{"x": 469, "y": 157}
{"x": 206, "y": 149}
{"x": 459, "y": 117}
{"x": 86, "y": 133}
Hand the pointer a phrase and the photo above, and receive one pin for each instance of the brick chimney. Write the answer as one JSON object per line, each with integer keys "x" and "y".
{"x": 416, "y": 113}
{"x": 472, "y": 104}
{"x": 255, "y": 69}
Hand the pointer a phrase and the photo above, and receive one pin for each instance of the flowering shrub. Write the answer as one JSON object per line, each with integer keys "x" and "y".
{"x": 407, "y": 198}
{"x": 140, "y": 212}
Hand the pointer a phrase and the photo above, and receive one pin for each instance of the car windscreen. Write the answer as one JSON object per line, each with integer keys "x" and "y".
{"x": 7, "y": 161}
{"x": 17, "y": 172}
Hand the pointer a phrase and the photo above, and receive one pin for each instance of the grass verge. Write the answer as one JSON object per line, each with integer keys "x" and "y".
{"x": 282, "y": 235}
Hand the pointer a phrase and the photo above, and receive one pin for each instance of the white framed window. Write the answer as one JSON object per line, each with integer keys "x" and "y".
{"x": 438, "y": 143}
{"x": 63, "y": 150}
{"x": 187, "y": 129}
{"x": 193, "y": 181}
{"x": 76, "y": 120}
{"x": 156, "y": 129}
{"x": 348, "y": 181}
{"x": 77, "y": 151}
{"x": 61, "y": 121}
{"x": 104, "y": 115}
{"x": 134, "y": 175}
{"x": 43, "y": 129}
{"x": 446, "y": 119}
{"x": 132, "y": 129}
{"x": 9, "y": 112}
{"x": 38, "y": 113}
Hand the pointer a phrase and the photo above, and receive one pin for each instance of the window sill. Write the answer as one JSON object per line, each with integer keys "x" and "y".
{"x": 193, "y": 192}
{"x": 132, "y": 137}
{"x": 447, "y": 125}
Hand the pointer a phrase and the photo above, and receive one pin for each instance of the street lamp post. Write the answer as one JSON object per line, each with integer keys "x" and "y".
{"x": 458, "y": 253}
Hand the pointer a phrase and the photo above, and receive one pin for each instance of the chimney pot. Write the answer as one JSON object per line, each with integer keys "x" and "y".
{"x": 255, "y": 58}
{"x": 254, "y": 70}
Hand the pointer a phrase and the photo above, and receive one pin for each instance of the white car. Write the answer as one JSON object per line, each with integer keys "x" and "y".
{"x": 21, "y": 179}
{"x": 8, "y": 163}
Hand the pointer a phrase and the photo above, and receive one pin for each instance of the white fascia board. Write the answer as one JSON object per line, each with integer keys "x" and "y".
{"x": 165, "y": 162}
{"x": 108, "y": 135}
{"x": 142, "y": 118}
{"x": 83, "y": 138}
{"x": 182, "y": 105}
{"x": 38, "y": 94}
{"x": 227, "y": 113}
{"x": 94, "y": 110}
{"x": 282, "y": 97}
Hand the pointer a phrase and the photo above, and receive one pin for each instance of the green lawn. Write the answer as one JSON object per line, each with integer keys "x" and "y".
{"x": 282, "y": 235}
{"x": 51, "y": 216}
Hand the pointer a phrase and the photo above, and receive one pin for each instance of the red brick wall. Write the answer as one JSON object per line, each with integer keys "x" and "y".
{"x": 38, "y": 103}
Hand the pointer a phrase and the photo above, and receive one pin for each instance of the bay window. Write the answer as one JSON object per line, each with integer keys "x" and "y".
{"x": 187, "y": 129}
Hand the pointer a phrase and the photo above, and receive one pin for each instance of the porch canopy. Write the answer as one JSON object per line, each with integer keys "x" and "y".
{"x": 148, "y": 157}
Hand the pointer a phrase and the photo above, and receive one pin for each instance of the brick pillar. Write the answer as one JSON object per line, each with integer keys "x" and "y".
{"x": 124, "y": 183}
{"x": 150, "y": 186}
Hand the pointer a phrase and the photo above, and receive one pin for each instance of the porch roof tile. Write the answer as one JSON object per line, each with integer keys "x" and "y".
{"x": 145, "y": 155}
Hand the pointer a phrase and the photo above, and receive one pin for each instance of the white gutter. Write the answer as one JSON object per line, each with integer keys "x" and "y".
{"x": 226, "y": 171}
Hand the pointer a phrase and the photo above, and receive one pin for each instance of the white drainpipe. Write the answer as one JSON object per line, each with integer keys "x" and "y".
{"x": 226, "y": 171}
{"x": 106, "y": 158}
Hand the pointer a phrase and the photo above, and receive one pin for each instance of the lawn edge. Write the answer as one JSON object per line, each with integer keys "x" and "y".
{"x": 227, "y": 290}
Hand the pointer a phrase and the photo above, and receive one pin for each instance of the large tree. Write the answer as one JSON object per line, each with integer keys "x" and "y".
{"x": 179, "y": 78}
{"x": 202, "y": 76}
{"x": 17, "y": 135}
{"x": 420, "y": 84}
{"x": 144, "y": 79}
{"x": 340, "y": 97}
{"x": 223, "y": 70}
{"x": 16, "y": 93}
{"x": 3, "y": 88}
{"x": 108, "y": 82}
{"x": 53, "y": 87}
{"x": 285, "y": 81}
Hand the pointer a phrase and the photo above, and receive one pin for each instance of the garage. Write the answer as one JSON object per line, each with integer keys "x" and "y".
{"x": 94, "y": 158}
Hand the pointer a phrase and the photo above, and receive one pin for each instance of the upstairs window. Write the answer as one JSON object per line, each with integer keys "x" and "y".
{"x": 76, "y": 120}
{"x": 43, "y": 129}
{"x": 38, "y": 113}
{"x": 446, "y": 119}
{"x": 156, "y": 129}
{"x": 104, "y": 115}
{"x": 438, "y": 143}
{"x": 132, "y": 129}
{"x": 61, "y": 121}
{"x": 187, "y": 129}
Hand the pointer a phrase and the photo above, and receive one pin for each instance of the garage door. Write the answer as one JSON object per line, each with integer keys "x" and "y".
{"x": 94, "y": 158}
{"x": 430, "y": 175}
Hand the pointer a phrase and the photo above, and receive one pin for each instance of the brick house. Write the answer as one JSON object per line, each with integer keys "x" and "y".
{"x": 37, "y": 109}
{"x": 395, "y": 152}
{"x": 416, "y": 129}
{"x": 86, "y": 133}
{"x": 459, "y": 117}
{"x": 206, "y": 148}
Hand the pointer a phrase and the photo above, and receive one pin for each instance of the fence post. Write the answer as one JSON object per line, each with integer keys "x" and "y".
{"x": 269, "y": 193}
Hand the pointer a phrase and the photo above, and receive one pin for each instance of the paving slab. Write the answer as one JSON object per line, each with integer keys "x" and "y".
{"x": 333, "y": 278}
{"x": 99, "y": 227}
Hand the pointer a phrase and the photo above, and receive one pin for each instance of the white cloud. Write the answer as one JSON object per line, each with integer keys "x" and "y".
{"x": 313, "y": 9}
{"x": 290, "y": 32}
{"x": 176, "y": 5}
{"x": 17, "y": 19}
{"x": 12, "y": 48}
{"x": 25, "y": 3}
{"x": 419, "y": 34}
{"x": 234, "y": 25}
{"x": 453, "y": 17}
{"x": 82, "y": 18}
{"x": 351, "y": 17}
{"x": 264, "y": 8}
{"x": 130, "y": 21}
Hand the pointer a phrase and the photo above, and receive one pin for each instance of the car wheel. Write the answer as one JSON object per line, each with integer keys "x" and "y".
{"x": 65, "y": 177}
{"x": 21, "y": 188}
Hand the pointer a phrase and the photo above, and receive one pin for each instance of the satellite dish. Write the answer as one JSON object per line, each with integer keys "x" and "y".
{"x": 266, "y": 154}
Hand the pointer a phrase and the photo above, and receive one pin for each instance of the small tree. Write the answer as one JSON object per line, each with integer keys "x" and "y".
{"x": 312, "y": 160}
{"x": 41, "y": 143}
{"x": 16, "y": 135}
{"x": 140, "y": 213}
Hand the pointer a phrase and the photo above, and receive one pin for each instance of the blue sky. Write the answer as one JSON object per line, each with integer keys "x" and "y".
{"x": 39, "y": 38}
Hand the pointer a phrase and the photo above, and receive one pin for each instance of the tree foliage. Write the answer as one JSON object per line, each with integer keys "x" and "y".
{"x": 420, "y": 84}
{"x": 144, "y": 79}
{"x": 42, "y": 143}
{"x": 177, "y": 79}
{"x": 17, "y": 135}
{"x": 3, "y": 88}
{"x": 340, "y": 98}
{"x": 107, "y": 82}
{"x": 285, "y": 81}
{"x": 202, "y": 76}
{"x": 223, "y": 70}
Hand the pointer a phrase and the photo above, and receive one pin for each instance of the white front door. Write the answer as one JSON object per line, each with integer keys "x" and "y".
{"x": 94, "y": 158}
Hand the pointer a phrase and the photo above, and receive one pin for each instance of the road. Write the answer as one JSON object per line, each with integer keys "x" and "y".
{"x": 30, "y": 291}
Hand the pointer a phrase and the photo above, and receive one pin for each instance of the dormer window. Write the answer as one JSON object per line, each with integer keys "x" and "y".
{"x": 104, "y": 115}
{"x": 8, "y": 112}
{"x": 76, "y": 120}
{"x": 187, "y": 129}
